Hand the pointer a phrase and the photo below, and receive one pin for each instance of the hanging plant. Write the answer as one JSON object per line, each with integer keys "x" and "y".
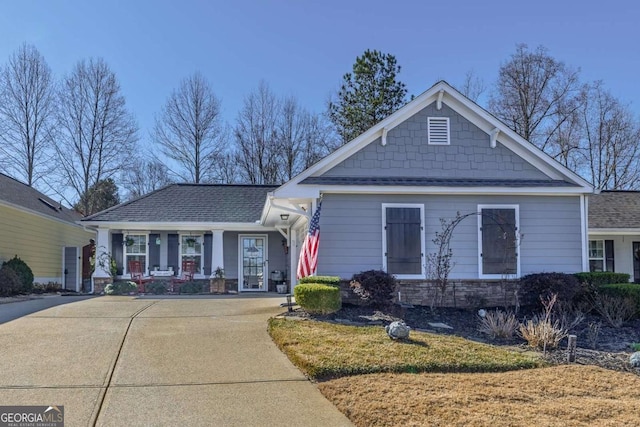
{"x": 128, "y": 241}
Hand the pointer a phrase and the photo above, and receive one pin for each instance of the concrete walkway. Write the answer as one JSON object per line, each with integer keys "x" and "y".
{"x": 14, "y": 310}
{"x": 115, "y": 361}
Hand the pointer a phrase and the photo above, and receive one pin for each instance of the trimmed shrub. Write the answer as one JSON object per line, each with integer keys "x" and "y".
{"x": 120, "y": 288}
{"x": 157, "y": 288}
{"x": 9, "y": 282}
{"x": 192, "y": 287}
{"x": 318, "y": 298}
{"x": 616, "y": 311}
{"x": 629, "y": 291}
{"x": 376, "y": 287}
{"x": 599, "y": 278}
{"x": 321, "y": 280}
{"x": 25, "y": 275}
{"x": 543, "y": 285}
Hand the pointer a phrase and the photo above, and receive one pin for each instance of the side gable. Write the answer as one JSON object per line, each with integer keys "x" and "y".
{"x": 486, "y": 150}
{"x": 407, "y": 153}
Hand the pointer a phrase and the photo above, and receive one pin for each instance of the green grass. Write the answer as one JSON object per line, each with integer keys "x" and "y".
{"x": 324, "y": 350}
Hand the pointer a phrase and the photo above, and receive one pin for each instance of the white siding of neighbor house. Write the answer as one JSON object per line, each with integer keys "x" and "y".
{"x": 351, "y": 231}
{"x": 622, "y": 251}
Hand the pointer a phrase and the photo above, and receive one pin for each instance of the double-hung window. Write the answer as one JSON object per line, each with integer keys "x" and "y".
{"x": 601, "y": 255}
{"x": 498, "y": 240}
{"x": 191, "y": 248}
{"x": 136, "y": 249}
{"x": 403, "y": 243}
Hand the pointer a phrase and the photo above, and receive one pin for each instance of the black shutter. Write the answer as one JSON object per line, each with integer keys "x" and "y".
{"x": 154, "y": 251}
{"x": 608, "y": 253}
{"x": 499, "y": 241}
{"x": 116, "y": 251}
{"x": 173, "y": 257}
{"x": 206, "y": 253}
{"x": 404, "y": 249}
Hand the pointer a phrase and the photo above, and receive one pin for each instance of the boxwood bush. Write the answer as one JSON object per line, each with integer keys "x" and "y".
{"x": 120, "y": 288}
{"x": 192, "y": 287}
{"x": 318, "y": 298}
{"x": 321, "y": 280}
{"x": 25, "y": 275}
{"x": 157, "y": 288}
{"x": 535, "y": 286}
{"x": 9, "y": 282}
{"x": 599, "y": 278}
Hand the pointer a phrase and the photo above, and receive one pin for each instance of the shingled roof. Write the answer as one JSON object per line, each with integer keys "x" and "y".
{"x": 19, "y": 194}
{"x": 614, "y": 209}
{"x": 434, "y": 182}
{"x": 192, "y": 203}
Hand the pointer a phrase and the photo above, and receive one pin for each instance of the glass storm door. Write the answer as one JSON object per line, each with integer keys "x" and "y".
{"x": 253, "y": 263}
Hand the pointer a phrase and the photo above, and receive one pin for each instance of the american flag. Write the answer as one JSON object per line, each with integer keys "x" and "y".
{"x": 308, "y": 261}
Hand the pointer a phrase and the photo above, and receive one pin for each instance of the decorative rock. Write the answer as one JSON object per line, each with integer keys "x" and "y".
{"x": 482, "y": 312}
{"x": 397, "y": 330}
{"x": 635, "y": 359}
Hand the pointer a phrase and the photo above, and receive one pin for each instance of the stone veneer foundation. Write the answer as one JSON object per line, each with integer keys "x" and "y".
{"x": 459, "y": 293}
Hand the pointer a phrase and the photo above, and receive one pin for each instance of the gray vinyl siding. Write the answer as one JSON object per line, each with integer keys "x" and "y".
{"x": 407, "y": 153}
{"x": 351, "y": 232}
{"x": 277, "y": 257}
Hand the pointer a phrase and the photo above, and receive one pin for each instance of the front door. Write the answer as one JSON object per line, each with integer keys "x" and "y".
{"x": 253, "y": 264}
{"x": 636, "y": 262}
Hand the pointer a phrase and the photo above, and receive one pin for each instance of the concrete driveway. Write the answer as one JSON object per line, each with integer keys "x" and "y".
{"x": 116, "y": 361}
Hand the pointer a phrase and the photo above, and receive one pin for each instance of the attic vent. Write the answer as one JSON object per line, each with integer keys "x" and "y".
{"x": 438, "y": 130}
{"x": 51, "y": 205}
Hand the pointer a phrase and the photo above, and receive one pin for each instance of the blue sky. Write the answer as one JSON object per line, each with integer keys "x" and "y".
{"x": 303, "y": 48}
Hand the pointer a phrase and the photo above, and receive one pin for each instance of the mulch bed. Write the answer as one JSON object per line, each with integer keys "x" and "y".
{"x": 611, "y": 350}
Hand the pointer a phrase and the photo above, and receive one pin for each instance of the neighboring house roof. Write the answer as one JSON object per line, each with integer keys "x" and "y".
{"x": 19, "y": 195}
{"x": 614, "y": 210}
{"x": 191, "y": 203}
{"x": 437, "y": 182}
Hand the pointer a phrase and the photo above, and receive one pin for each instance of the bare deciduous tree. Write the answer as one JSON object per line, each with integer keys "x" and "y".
{"x": 27, "y": 104}
{"x": 144, "y": 177}
{"x": 97, "y": 134}
{"x": 535, "y": 95}
{"x": 611, "y": 140}
{"x": 256, "y": 137}
{"x": 473, "y": 86}
{"x": 190, "y": 131}
{"x": 276, "y": 138}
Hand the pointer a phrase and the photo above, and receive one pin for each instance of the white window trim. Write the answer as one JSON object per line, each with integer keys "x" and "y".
{"x": 429, "y": 142}
{"x": 481, "y": 275}
{"x": 423, "y": 273}
{"x": 180, "y": 254}
{"x": 604, "y": 254}
{"x": 125, "y": 262}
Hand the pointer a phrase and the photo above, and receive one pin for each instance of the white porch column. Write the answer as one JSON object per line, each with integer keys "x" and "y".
{"x": 217, "y": 251}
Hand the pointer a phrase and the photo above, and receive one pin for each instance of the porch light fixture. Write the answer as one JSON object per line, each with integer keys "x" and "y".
{"x": 284, "y": 217}
{"x": 157, "y": 240}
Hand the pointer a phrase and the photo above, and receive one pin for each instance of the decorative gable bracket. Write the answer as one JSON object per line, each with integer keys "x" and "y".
{"x": 494, "y": 137}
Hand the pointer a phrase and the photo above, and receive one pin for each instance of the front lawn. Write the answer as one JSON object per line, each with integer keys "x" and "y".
{"x": 445, "y": 380}
{"x": 325, "y": 350}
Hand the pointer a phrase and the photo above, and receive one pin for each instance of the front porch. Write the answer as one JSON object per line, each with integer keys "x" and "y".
{"x": 249, "y": 260}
